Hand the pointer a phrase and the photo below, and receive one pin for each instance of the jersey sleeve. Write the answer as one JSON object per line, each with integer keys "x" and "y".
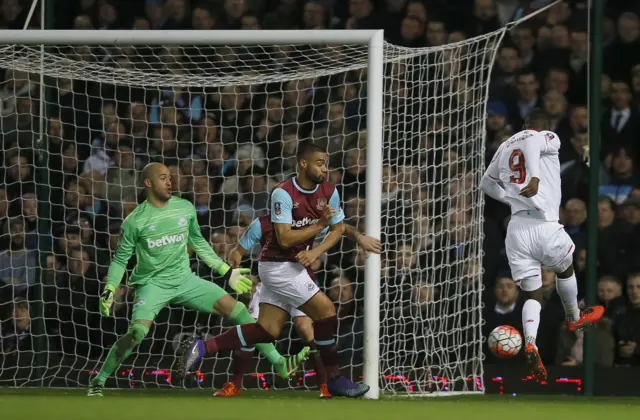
{"x": 334, "y": 202}
{"x": 490, "y": 183}
{"x": 126, "y": 247}
{"x": 281, "y": 207}
{"x": 200, "y": 245}
{"x": 252, "y": 236}
{"x": 551, "y": 142}
{"x": 493, "y": 170}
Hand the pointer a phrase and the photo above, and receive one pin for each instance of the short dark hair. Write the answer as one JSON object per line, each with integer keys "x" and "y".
{"x": 536, "y": 117}
{"x": 305, "y": 149}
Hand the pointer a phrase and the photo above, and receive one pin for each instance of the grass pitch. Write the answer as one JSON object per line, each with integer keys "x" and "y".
{"x": 53, "y": 404}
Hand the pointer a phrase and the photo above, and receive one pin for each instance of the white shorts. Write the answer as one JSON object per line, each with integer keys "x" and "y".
{"x": 254, "y": 305}
{"x": 286, "y": 285}
{"x": 532, "y": 243}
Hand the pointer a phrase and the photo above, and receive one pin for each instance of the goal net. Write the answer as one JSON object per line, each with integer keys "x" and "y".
{"x": 79, "y": 122}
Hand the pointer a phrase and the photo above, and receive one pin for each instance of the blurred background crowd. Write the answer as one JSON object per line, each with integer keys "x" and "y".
{"x": 228, "y": 147}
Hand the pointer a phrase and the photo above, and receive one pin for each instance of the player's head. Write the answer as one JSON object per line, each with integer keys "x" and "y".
{"x": 157, "y": 181}
{"x": 537, "y": 120}
{"x": 312, "y": 162}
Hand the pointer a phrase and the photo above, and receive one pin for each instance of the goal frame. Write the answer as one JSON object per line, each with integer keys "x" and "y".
{"x": 374, "y": 39}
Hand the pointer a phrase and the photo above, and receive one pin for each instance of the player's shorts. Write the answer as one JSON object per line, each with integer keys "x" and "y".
{"x": 532, "y": 243}
{"x": 286, "y": 285}
{"x": 254, "y": 305}
{"x": 193, "y": 293}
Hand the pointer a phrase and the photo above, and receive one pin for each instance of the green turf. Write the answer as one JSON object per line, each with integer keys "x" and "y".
{"x": 47, "y": 404}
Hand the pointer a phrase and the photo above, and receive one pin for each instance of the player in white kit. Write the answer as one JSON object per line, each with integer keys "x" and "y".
{"x": 525, "y": 174}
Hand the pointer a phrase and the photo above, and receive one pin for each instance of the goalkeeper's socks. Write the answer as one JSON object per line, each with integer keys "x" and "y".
{"x": 240, "y": 315}
{"x": 241, "y": 360}
{"x": 111, "y": 364}
{"x": 531, "y": 320}
{"x": 568, "y": 291}
{"x": 316, "y": 364}
{"x": 324, "y": 332}
{"x": 240, "y": 336}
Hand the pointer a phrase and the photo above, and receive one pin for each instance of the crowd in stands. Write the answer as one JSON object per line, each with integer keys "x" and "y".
{"x": 228, "y": 147}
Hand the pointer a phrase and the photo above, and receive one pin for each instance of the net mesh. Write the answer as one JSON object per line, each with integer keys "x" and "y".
{"x": 79, "y": 122}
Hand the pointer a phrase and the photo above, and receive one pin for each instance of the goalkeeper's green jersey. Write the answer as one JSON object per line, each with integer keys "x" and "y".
{"x": 159, "y": 237}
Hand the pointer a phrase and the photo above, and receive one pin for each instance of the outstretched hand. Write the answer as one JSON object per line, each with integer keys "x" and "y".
{"x": 238, "y": 282}
{"x": 369, "y": 244}
{"x": 106, "y": 300}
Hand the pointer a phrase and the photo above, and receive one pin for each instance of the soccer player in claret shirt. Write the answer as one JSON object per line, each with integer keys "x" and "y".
{"x": 258, "y": 232}
{"x": 525, "y": 174}
{"x": 301, "y": 208}
{"x": 158, "y": 230}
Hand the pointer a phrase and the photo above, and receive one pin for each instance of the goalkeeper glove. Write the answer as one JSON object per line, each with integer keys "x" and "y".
{"x": 237, "y": 281}
{"x": 106, "y": 299}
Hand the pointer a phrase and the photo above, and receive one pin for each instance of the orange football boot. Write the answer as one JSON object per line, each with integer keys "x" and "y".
{"x": 588, "y": 317}
{"x": 228, "y": 390}
{"x": 534, "y": 362}
{"x": 324, "y": 392}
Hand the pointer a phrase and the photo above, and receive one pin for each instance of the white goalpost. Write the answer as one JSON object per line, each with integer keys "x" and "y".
{"x": 224, "y": 110}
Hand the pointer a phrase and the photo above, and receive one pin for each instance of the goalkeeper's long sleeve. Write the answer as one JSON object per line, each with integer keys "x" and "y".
{"x": 203, "y": 249}
{"x": 126, "y": 246}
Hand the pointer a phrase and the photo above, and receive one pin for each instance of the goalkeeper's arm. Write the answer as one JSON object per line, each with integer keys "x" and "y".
{"x": 126, "y": 246}
{"x": 203, "y": 249}
{"x": 118, "y": 265}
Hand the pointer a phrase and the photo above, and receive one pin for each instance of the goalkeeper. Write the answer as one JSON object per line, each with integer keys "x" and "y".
{"x": 159, "y": 230}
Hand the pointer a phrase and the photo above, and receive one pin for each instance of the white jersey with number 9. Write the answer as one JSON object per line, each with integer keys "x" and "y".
{"x": 525, "y": 155}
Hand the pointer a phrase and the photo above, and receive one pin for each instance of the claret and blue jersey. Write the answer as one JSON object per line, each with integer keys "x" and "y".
{"x": 291, "y": 204}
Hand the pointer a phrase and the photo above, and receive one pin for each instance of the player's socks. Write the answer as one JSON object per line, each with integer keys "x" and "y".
{"x": 241, "y": 360}
{"x": 324, "y": 332}
{"x": 531, "y": 320}
{"x": 240, "y": 336}
{"x": 121, "y": 350}
{"x": 316, "y": 364}
{"x": 239, "y": 316}
{"x": 568, "y": 291}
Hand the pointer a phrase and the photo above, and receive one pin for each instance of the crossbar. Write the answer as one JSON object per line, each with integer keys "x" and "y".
{"x": 180, "y": 37}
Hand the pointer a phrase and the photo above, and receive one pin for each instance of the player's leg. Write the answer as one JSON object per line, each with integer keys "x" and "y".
{"x": 304, "y": 326}
{"x": 206, "y": 296}
{"x": 241, "y": 358}
{"x": 527, "y": 272}
{"x": 245, "y": 335}
{"x": 149, "y": 301}
{"x": 321, "y": 310}
{"x": 558, "y": 256}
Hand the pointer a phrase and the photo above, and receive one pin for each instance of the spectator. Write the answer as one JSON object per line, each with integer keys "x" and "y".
{"x": 17, "y": 341}
{"x": 620, "y": 125}
{"x": 526, "y": 99}
{"x": 627, "y": 326}
{"x": 575, "y": 218}
{"x": 610, "y": 295}
{"x": 122, "y": 178}
{"x": 17, "y": 264}
{"x": 623, "y": 178}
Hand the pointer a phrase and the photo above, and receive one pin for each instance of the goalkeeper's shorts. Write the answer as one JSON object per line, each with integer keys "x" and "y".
{"x": 193, "y": 293}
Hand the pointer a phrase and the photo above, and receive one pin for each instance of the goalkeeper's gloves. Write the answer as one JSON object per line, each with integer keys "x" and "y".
{"x": 237, "y": 281}
{"x": 106, "y": 299}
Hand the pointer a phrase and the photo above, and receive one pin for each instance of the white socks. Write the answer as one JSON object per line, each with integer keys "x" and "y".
{"x": 568, "y": 291}
{"x": 531, "y": 320}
